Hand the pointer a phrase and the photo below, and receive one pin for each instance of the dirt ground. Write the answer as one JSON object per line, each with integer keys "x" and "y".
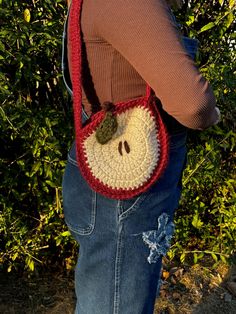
{"x": 195, "y": 290}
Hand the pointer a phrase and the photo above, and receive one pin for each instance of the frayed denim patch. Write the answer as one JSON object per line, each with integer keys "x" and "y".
{"x": 159, "y": 240}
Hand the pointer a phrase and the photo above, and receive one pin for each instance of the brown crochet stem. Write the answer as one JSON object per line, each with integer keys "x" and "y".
{"x": 108, "y": 106}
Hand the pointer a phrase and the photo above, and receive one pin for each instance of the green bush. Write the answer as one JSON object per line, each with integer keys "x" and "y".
{"x": 36, "y": 131}
{"x": 206, "y": 218}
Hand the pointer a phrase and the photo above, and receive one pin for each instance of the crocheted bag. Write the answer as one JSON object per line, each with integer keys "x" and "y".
{"x": 122, "y": 149}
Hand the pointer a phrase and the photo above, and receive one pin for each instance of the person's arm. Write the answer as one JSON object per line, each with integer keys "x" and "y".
{"x": 143, "y": 32}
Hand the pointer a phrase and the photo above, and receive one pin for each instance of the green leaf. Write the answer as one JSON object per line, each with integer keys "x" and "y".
{"x": 29, "y": 263}
{"x": 201, "y": 255}
{"x": 171, "y": 254}
{"x": 223, "y": 259}
{"x": 231, "y": 4}
{"x": 35, "y": 168}
{"x": 27, "y": 15}
{"x": 66, "y": 233}
{"x": 214, "y": 257}
{"x": 196, "y": 222}
{"x": 229, "y": 20}
{"x": 191, "y": 19}
{"x": 9, "y": 268}
{"x": 206, "y": 27}
{"x": 15, "y": 256}
{"x": 2, "y": 113}
{"x": 195, "y": 258}
{"x": 51, "y": 184}
{"x": 182, "y": 257}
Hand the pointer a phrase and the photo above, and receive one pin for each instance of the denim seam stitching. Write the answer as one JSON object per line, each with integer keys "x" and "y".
{"x": 119, "y": 204}
{"x": 133, "y": 207}
{"x": 72, "y": 161}
{"x": 117, "y": 272}
{"x": 90, "y": 228}
{"x": 119, "y": 209}
{"x": 84, "y": 231}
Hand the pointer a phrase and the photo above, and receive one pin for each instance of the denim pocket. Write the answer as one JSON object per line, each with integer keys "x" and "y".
{"x": 126, "y": 207}
{"x": 79, "y": 201}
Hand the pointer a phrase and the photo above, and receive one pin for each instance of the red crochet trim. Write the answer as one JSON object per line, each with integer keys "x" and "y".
{"x": 82, "y": 133}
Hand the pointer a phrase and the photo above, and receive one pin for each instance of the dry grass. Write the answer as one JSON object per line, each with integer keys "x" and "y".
{"x": 196, "y": 290}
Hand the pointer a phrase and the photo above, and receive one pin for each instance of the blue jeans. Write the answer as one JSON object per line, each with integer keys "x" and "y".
{"x": 121, "y": 242}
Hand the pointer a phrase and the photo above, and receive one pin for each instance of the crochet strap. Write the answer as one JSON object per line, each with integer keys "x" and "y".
{"x": 75, "y": 40}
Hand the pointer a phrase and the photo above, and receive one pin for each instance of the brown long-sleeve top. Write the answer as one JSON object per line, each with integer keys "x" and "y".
{"x": 130, "y": 42}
